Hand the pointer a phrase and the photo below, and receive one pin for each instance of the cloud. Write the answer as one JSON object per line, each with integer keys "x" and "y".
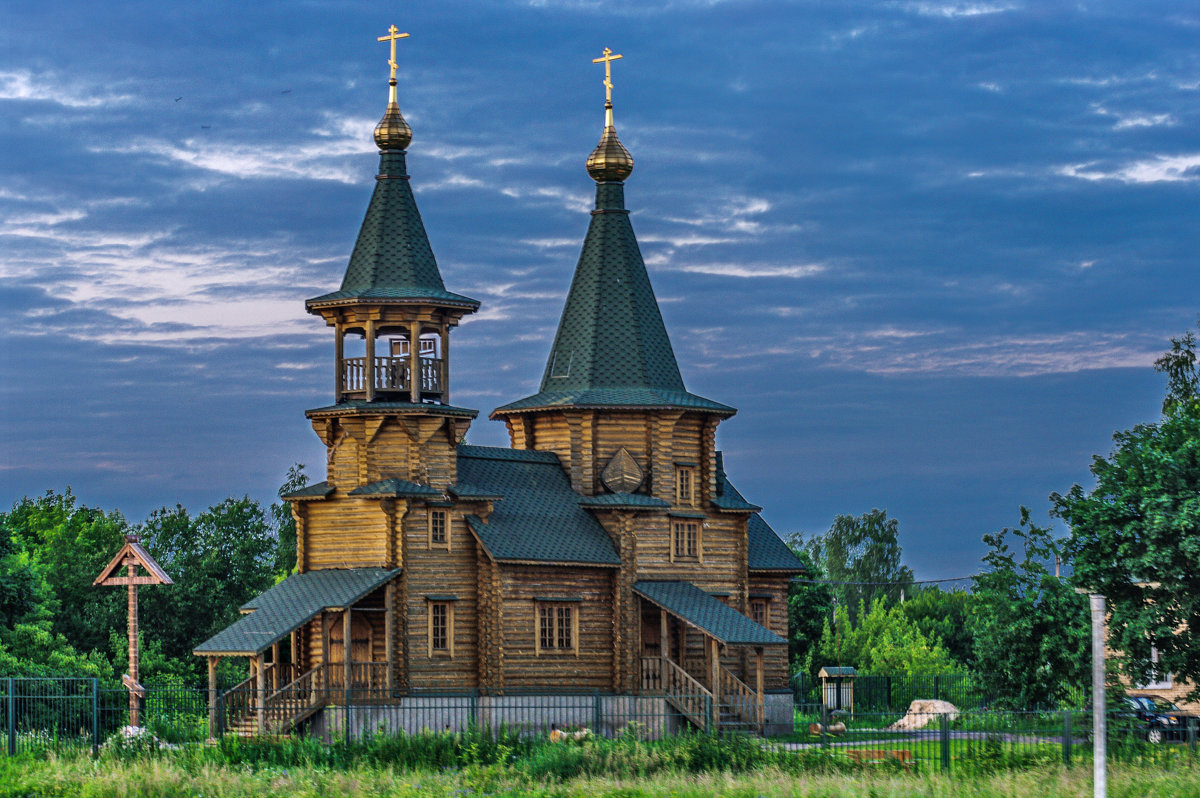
{"x": 23, "y": 84}
{"x": 735, "y": 216}
{"x": 746, "y": 270}
{"x": 1127, "y": 121}
{"x": 1157, "y": 169}
{"x": 957, "y": 10}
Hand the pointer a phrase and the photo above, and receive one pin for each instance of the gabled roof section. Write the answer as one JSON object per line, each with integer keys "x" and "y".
{"x": 289, "y": 605}
{"x": 711, "y": 616}
{"x": 540, "y": 519}
{"x": 317, "y": 490}
{"x": 612, "y": 348}
{"x": 133, "y": 552}
{"x": 767, "y": 552}
{"x": 392, "y": 259}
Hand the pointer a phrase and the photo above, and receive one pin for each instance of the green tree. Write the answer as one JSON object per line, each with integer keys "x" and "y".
{"x": 942, "y": 615}
{"x": 883, "y": 641}
{"x": 1031, "y": 629}
{"x": 1135, "y": 536}
{"x": 285, "y": 524}
{"x": 67, "y": 546}
{"x": 219, "y": 560}
{"x": 809, "y": 605}
{"x": 863, "y": 552}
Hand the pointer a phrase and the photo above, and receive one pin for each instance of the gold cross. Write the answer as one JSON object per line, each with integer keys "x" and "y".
{"x": 393, "y": 35}
{"x": 607, "y": 58}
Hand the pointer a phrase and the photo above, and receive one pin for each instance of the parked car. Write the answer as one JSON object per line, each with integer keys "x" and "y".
{"x": 1161, "y": 719}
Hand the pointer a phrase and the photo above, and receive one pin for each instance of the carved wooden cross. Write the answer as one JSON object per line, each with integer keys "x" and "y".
{"x": 607, "y": 58}
{"x": 393, "y": 35}
{"x": 133, "y": 556}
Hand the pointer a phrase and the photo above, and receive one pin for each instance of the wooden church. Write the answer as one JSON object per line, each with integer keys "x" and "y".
{"x": 606, "y": 549}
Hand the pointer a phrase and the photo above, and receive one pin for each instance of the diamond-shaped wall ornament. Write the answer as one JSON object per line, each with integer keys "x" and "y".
{"x": 622, "y": 474}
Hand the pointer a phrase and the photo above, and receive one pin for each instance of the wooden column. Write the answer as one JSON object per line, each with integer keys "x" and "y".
{"x": 339, "y": 356}
{"x": 260, "y": 684}
{"x": 135, "y": 715}
{"x": 414, "y": 362}
{"x": 369, "y": 375}
{"x": 714, "y": 671}
{"x": 346, "y": 649}
{"x": 212, "y": 697}
{"x": 664, "y": 640}
{"x": 389, "y": 640}
{"x": 445, "y": 363}
{"x": 327, "y": 672}
{"x": 294, "y": 647}
{"x": 275, "y": 666}
{"x": 758, "y": 685}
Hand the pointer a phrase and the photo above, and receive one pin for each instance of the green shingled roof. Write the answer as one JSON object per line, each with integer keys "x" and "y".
{"x": 361, "y": 407}
{"x": 767, "y": 552}
{"x": 392, "y": 259}
{"x": 612, "y": 349}
{"x": 317, "y": 490}
{"x": 713, "y": 617}
{"x": 396, "y": 487}
{"x": 540, "y": 519}
{"x": 289, "y": 605}
{"x": 623, "y": 501}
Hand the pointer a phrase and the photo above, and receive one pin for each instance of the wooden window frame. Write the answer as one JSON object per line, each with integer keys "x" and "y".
{"x": 765, "y": 603}
{"x": 680, "y": 551}
{"x": 554, "y": 612}
{"x": 685, "y": 475}
{"x": 448, "y": 651}
{"x": 430, "y": 541}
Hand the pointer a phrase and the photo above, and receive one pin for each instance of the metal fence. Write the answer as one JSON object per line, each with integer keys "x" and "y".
{"x": 55, "y": 713}
{"x": 894, "y": 693}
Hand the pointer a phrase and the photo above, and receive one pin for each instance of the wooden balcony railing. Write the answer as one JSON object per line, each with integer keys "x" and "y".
{"x": 390, "y": 374}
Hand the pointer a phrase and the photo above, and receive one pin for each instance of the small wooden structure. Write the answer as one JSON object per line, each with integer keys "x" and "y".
{"x": 132, "y": 556}
{"x": 837, "y": 686}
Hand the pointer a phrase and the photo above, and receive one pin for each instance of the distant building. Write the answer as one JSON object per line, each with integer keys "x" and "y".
{"x": 605, "y": 550}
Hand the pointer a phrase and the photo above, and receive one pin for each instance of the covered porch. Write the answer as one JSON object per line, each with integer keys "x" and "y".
{"x": 316, "y": 639}
{"x": 689, "y": 641}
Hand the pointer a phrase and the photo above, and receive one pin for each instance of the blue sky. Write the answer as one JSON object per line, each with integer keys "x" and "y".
{"x": 930, "y": 250}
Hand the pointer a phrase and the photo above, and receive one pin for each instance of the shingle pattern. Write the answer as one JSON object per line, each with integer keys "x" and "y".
{"x": 290, "y": 604}
{"x": 313, "y": 491}
{"x": 767, "y": 552}
{"x": 392, "y": 258}
{"x": 473, "y": 493}
{"x": 612, "y": 348}
{"x": 714, "y": 617}
{"x": 540, "y": 519}
{"x": 396, "y": 487}
{"x": 426, "y": 408}
{"x": 636, "y": 501}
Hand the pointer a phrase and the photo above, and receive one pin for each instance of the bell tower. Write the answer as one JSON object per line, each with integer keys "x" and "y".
{"x": 391, "y": 432}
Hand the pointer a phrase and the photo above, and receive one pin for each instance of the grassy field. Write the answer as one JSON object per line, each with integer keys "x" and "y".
{"x": 179, "y": 775}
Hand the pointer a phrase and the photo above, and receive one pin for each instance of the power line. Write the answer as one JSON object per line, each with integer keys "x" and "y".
{"x": 907, "y": 582}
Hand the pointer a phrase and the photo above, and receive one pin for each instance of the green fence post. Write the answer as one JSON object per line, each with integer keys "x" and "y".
{"x": 1066, "y": 737}
{"x": 95, "y": 716}
{"x": 936, "y": 691}
{"x": 347, "y": 707}
{"x": 945, "y": 734}
{"x": 596, "y": 711}
{"x": 824, "y": 726}
{"x": 473, "y": 708}
{"x": 12, "y": 717}
{"x": 1191, "y": 733}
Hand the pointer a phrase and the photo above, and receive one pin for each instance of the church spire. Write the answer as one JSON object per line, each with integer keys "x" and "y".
{"x": 611, "y": 348}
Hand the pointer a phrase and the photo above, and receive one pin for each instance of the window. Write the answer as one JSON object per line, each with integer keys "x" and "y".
{"x": 1155, "y": 679}
{"x": 685, "y": 485}
{"x": 441, "y": 629}
{"x": 557, "y": 628}
{"x": 760, "y": 612}
{"x": 685, "y": 542}
{"x": 437, "y": 528}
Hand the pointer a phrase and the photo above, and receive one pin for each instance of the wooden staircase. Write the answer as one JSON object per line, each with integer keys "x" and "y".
{"x": 282, "y": 709}
{"x": 736, "y": 708}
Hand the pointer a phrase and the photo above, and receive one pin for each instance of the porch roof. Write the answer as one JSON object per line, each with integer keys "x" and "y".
{"x": 289, "y": 605}
{"x": 715, "y": 618}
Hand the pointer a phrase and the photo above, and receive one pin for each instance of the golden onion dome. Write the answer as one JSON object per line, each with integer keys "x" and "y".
{"x": 610, "y": 161}
{"x": 392, "y": 132}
